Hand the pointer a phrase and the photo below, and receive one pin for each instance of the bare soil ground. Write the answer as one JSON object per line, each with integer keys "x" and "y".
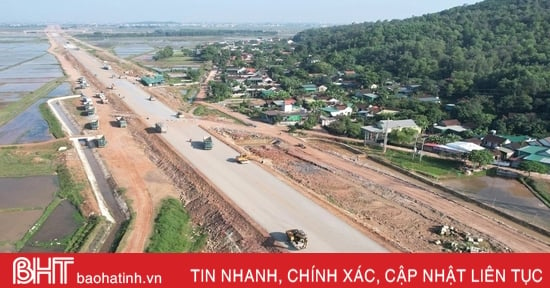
{"x": 401, "y": 212}
{"x": 149, "y": 171}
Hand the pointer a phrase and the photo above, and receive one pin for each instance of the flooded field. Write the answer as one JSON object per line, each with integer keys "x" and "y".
{"x": 131, "y": 50}
{"x": 25, "y": 66}
{"x": 507, "y": 195}
{"x": 29, "y": 126}
{"x": 22, "y": 201}
{"x": 54, "y": 234}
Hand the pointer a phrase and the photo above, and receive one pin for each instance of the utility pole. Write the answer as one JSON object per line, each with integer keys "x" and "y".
{"x": 386, "y": 135}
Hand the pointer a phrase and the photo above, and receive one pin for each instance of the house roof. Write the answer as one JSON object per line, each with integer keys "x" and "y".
{"x": 464, "y": 146}
{"x": 545, "y": 141}
{"x": 450, "y": 122}
{"x": 494, "y": 139}
{"x": 390, "y": 124}
{"x": 533, "y": 149}
{"x": 455, "y": 128}
{"x": 538, "y": 158}
{"x": 514, "y": 138}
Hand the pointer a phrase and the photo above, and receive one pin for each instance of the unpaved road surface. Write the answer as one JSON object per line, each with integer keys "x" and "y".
{"x": 269, "y": 202}
{"x": 398, "y": 212}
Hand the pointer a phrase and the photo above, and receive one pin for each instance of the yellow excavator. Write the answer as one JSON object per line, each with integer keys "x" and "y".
{"x": 242, "y": 158}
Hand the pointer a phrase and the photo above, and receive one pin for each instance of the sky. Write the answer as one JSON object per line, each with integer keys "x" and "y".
{"x": 218, "y": 11}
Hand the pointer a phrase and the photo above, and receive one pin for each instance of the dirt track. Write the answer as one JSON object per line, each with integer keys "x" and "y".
{"x": 398, "y": 210}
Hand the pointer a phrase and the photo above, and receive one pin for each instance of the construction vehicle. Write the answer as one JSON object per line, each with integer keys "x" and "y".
{"x": 207, "y": 143}
{"x": 101, "y": 141}
{"x": 297, "y": 238}
{"x": 151, "y": 98}
{"x": 122, "y": 123}
{"x": 179, "y": 114}
{"x": 94, "y": 125}
{"x": 90, "y": 111}
{"x": 160, "y": 128}
{"x": 112, "y": 87}
{"x": 242, "y": 158}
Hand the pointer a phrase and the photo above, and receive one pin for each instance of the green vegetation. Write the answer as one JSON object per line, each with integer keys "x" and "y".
{"x": 542, "y": 188}
{"x": 68, "y": 188}
{"x": 492, "y": 54}
{"x": 174, "y": 231}
{"x": 163, "y": 53}
{"x": 120, "y": 234}
{"x": 531, "y": 166}
{"x": 53, "y": 123}
{"x": 481, "y": 157}
{"x": 15, "y": 108}
{"x": 437, "y": 168}
{"x": 78, "y": 238}
{"x": 21, "y": 161}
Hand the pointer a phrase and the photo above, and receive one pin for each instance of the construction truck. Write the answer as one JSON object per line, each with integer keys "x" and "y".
{"x": 101, "y": 141}
{"x": 207, "y": 143}
{"x": 160, "y": 127}
{"x": 242, "y": 158}
{"x": 179, "y": 114}
{"x": 122, "y": 123}
{"x": 90, "y": 111}
{"x": 297, "y": 238}
{"x": 94, "y": 125}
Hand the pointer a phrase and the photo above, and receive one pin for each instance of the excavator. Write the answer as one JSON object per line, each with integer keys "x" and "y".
{"x": 242, "y": 158}
{"x": 297, "y": 238}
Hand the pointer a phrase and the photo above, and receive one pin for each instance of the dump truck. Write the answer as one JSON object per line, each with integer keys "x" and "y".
{"x": 242, "y": 158}
{"x": 90, "y": 111}
{"x": 297, "y": 238}
{"x": 101, "y": 141}
{"x": 160, "y": 128}
{"x": 179, "y": 114}
{"x": 207, "y": 143}
{"x": 94, "y": 125}
{"x": 121, "y": 121}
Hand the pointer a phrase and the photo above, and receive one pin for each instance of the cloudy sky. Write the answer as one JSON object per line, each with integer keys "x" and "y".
{"x": 218, "y": 11}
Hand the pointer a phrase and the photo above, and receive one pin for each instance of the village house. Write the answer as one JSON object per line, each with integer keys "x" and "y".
{"x": 376, "y": 133}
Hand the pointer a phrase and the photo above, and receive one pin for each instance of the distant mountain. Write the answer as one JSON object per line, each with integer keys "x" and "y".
{"x": 497, "y": 48}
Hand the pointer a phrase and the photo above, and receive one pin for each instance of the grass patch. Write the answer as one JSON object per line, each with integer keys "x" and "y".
{"x": 15, "y": 108}
{"x": 77, "y": 240}
{"x": 174, "y": 231}
{"x": 177, "y": 60}
{"x": 542, "y": 188}
{"x": 53, "y": 123}
{"x": 32, "y": 160}
{"x": 120, "y": 234}
{"x": 68, "y": 188}
{"x": 433, "y": 167}
{"x": 190, "y": 93}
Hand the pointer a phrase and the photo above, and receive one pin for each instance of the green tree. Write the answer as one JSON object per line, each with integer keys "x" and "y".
{"x": 481, "y": 157}
{"x": 166, "y": 52}
{"x": 532, "y": 166}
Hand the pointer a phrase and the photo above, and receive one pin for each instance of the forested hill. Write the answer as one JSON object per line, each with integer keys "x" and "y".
{"x": 498, "y": 48}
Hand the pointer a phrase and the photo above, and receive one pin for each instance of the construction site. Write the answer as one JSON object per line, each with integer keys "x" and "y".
{"x": 400, "y": 212}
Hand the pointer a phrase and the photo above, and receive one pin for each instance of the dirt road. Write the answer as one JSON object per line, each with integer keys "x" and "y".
{"x": 141, "y": 181}
{"x": 408, "y": 194}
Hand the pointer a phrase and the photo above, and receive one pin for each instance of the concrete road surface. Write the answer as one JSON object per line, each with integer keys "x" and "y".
{"x": 273, "y": 204}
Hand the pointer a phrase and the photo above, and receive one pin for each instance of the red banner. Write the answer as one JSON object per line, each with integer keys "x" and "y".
{"x": 275, "y": 270}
